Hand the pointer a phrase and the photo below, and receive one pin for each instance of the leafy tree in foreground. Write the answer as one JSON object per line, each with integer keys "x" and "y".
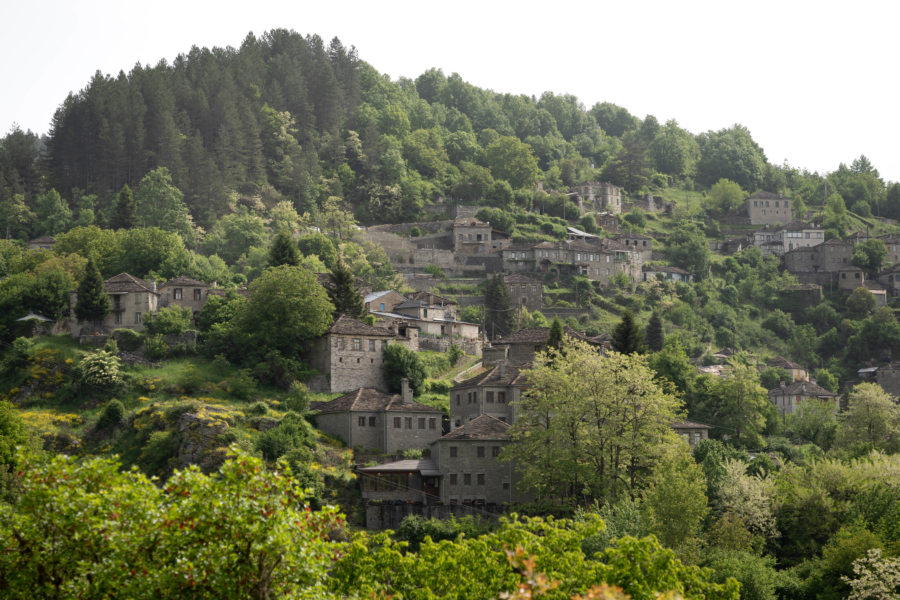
{"x": 580, "y": 413}
{"x": 872, "y": 418}
{"x": 92, "y": 303}
{"x": 89, "y": 529}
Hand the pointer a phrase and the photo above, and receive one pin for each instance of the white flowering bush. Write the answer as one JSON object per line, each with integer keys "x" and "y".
{"x": 100, "y": 369}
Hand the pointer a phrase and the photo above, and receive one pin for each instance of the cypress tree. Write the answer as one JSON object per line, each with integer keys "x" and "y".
{"x": 555, "y": 340}
{"x": 125, "y": 216}
{"x": 343, "y": 292}
{"x": 627, "y": 336}
{"x": 498, "y": 317}
{"x": 655, "y": 336}
{"x": 283, "y": 251}
{"x": 93, "y": 303}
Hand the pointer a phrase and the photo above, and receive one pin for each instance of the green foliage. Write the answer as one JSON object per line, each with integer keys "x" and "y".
{"x": 627, "y": 336}
{"x": 454, "y": 354}
{"x": 12, "y": 434}
{"x": 342, "y": 292}
{"x": 93, "y": 303}
{"x": 435, "y": 271}
{"x": 872, "y": 418}
{"x": 129, "y": 339}
{"x": 292, "y": 432}
{"x": 726, "y": 196}
{"x": 113, "y": 416}
{"x": 169, "y": 320}
{"x": 88, "y": 529}
{"x": 869, "y": 255}
{"x": 636, "y": 218}
{"x": 52, "y": 213}
{"x": 756, "y": 574}
{"x": 689, "y": 249}
{"x": 283, "y": 250}
{"x": 498, "y": 316}
{"x": 298, "y": 398}
{"x": 415, "y": 529}
{"x": 772, "y": 377}
{"x": 161, "y": 204}
{"x": 100, "y": 370}
{"x": 401, "y": 362}
{"x": 234, "y": 235}
{"x": 732, "y": 154}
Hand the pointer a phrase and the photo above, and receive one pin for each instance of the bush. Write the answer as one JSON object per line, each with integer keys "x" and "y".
{"x": 112, "y": 416}
{"x": 128, "y": 339}
{"x": 435, "y": 271}
{"x": 258, "y": 409}
{"x": 190, "y": 379}
{"x": 454, "y": 353}
{"x": 168, "y": 320}
{"x": 293, "y": 432}
{"x": 415, "y": 231}
{"x": 242, "y": 385}
{"x": 155, "y": 347}
{"x": 100, "y": 369}
{"x": 297, "y": 399}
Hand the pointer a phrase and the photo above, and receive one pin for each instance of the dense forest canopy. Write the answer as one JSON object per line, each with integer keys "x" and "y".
{"x": 287, "y": 117}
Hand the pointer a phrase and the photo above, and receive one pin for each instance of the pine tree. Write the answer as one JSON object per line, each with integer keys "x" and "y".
{"x": 93, "y": 303}
{"x": 655, "y": 336}
{"x": 125, "y": 216}
{"x": 627, "y": 337}
{"x": 343, "y": 292}
{"x": 283, "y": 251}
{"x": 498, "y": 317}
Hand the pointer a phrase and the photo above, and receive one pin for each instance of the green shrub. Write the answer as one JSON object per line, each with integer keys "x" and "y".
{"x": 415, "y": 231}
{"x": 111, "y": 346}
{"x": 128, "y": 339}
{"x": 100, "y": 369}
{"x": 190, "y": 379}
{"x": 454, "y": 353}
{"x": 435, "y": 271}
{"x": 155, "y": 347}
{"x": 112, "y": 416}
{"x": 297, "y": 399}
{"x": 168, "y": 320}
{"x": 258, "y": 408}
{"x": 293, "y": 432}
{"x": 242, "y": 385}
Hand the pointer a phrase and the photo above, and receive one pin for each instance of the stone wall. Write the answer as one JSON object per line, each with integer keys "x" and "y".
{"x": 482, "y": 477}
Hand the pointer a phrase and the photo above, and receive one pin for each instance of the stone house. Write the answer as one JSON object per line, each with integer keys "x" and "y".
{"x": 367, "y": 418}
{"x": 636, "y": 242}
{"x": 130, "y": 301}
{"x": 416, "y": 481}
{"x": 692, "y": 432}
{"x": 599, "y": 260}
{"x": 45, "y": 242}
{"x": 596, "y": 196}
{"x": 890, "y": 279}
{"x": 349, "y": 355}
{"x": 519, "y": 347}
{"x": 776, "y": 241}
{"x": 184, "y": 292}
{"x": 383, "y": 301}
{"x": 787, "y": 398}
{"x": 888, "y": 377}
{"x": 850, "y": 277}
{"x": 665, "y": 272}
{"x": 437, "y": 303}
{"x": 796, "y": 372}
{"x": 766, "y": 208}
{"x": 434, "y": 333}
{"x": 472, "y": 474}
{"x": 471, "y": 237}
{"x": 494, "y": 392}
{"x": 892, "y": 245}
{"x": 524, "y": 291}
{"x": 607, "y": 221}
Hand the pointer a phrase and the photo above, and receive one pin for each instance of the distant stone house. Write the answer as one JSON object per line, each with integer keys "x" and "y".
{"x": 131, "y": 300}
{"x": 636, "y": 242}
{"x": 598, "y": 197}
{"x": 45, "y": 242}
{"x": 472, "y": 474}
{"x": 519, "y": 347}
{"x": 776, "y": 241}
{"x": 665, "y": 272}
{"x": 766, "y": 208}
{"x": 892, "y": 245}
{"x": 438, "y": 304}
{"x": 890, "y": 279}
{"x": 850, "y": 277}
{"x": 383, "y": 301}
{"x": 524, "y": 291}
{"x": 349, "y": 355}
{"x": 888, "y": 377}
{"x": 823, "y": 264}
{"x": 607, "y": 221}
{"x": 494, "y": 392}
{"x": 600, "y": 260}
{"x": 691, "y": 431}
{"x": 796, "y": 372}
{"x": 787, "y": 398}
{"x": 372, "y": 419}
{"x": 415, "y": 481}
{"x": 184, "y": 292}
{"x": 471, "y": 237}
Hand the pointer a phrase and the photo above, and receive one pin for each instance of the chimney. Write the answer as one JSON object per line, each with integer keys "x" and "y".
{"x": 153, "y": 285}
{"x": 405, "y": 392}
{"x": 502, "y": 365}
{"x": 466, "y": 427}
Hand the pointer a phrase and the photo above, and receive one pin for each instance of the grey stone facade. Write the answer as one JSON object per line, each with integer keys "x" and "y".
{"x": 494, "y": 392}
{"x": 184, "y": 292}
{"x": 766, "y": 208}
{"x": 524, "y": 291}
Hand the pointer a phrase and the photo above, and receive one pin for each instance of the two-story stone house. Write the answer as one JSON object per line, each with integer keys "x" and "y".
{"x": 372, "y": 419}
{"x": 131, "y": 300}
{"x": 184, "y": 292}
{"x": 787, "y": 398}
{"x": 766, "y": 208}
{"x": 636, "y": 242}
{"x": 692, "y": 432}
{"x": 599, "y": 260}
{"x": 349, "y": 355}
{"x": 494, "y": 392}
{"x": 383, "y": 301}
{"x": 518, "y": 348}
{"x": 471, "y": 237}
{"x": 776, "y": 241}
{"x": 597, "y": 196}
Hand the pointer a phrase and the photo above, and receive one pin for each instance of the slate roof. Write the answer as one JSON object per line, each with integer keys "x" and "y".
{"x": 369, "y": 400}
{"x": 802, "y": 388}
{"x": 519, "y": 278}
{"x": 469, "y": 222}
{"x": 430, "y": 298}
{"x": 512, "y": 376}
{"x": 767, "y": 196}
{"x": 690, "y": 425}
{"x": 411, "y": 304}
{"x": 483, "y": 427}
{"x": 783, "y": 363}
{"x": 424, "y": 466}
{"x": 182, "y": 280}
{"x": 536, "y": 335}
{"x": 44, "y": 239}
{"x": 665, "y": 269}
{"x": 375, "y": 296}
{"x": 349, "y": 326}
{"x": 124, "y": 283}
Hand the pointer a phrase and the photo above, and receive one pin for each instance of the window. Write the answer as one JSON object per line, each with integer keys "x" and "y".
{"x": 432, "y": 423}
{"x": 178, "y": 293}
{"x": 453, "y": 451}
{"x": 457, "y": 399}
{"x": 396, "y": 422}
{"x": 371, "y": 345}
{"x": 467, "y": 479}
{"x": 340, "y": 343}
{"x": 479, "y": 478}
{"x": 495, "y": 451}
{"x": 489, "y": 397}
{"x": 137, "y": 318}
{"x": 479, "y": 452}
{"x": 197, "y": 294}
{"x": 533, "y": 289}
{"x": 523, "y": 288}
{"x": 137, "y": 298}
{"x": 362, "y": 421}
{"x": 421, "y": 423}
{"x": 409, "y": 422}
{"x": 505, "y": 485}
{"x": 453, "y": 479}
{"x": 501, "y": 397}
{"x": 118, "y": 318}
{"x": 371, "y": 421}
{"x": 357, "y": 344}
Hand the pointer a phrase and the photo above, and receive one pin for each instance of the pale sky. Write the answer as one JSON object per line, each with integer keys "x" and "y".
{"x": 814, "y": 81}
